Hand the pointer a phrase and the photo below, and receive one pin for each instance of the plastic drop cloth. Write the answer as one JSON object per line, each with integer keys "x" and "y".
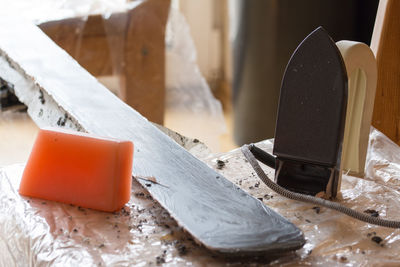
{"x": 189, "y": 100}
{"x": 35, "y": 232}
{"x": 43, "y": 11}
{"x": 39, "y": 11}
{"x": 188, "y": 97}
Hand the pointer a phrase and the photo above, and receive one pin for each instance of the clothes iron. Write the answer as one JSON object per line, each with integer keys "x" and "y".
{"x": 323, "y": 124}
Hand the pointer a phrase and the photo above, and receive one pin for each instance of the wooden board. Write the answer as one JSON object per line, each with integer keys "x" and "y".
{"x": 385, "y": 44}
{"x": 129, "y": 44}
{"x": 58, "y": 92}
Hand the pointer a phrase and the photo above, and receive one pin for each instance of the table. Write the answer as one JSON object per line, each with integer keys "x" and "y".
{"x": 143, "y": 233}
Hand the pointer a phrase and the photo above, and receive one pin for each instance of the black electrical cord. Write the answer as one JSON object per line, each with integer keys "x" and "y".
{"x": 263, "y": 156}
{"x": 311, "y": 199}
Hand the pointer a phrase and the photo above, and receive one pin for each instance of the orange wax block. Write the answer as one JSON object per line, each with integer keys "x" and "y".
{"x": 79, "y": 169}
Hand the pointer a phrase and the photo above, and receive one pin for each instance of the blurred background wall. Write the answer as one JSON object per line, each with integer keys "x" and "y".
{"x": 243, "y": 47}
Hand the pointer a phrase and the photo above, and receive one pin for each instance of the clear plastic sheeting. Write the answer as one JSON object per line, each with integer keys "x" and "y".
{"x": 40, "y": 11}
{"x": 334, "y": 238}
{"x": 37, "y": 232}
{"x": 383, "y": 160}
{"x": 42, "y": 233}
{"x": 189, "y": 99}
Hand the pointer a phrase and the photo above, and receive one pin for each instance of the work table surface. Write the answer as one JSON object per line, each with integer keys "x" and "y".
{"x": 143, "y": 233}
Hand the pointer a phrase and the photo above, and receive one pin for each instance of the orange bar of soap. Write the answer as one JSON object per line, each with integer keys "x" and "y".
{"x": 80, "y": 169}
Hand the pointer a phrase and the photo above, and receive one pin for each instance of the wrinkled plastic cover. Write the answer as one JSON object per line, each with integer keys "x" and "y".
{"x": 36, "y": 232}
{"x": 333, "y": 238}
{"x": 189, "y": 99}
{"x": 40, "y": 11}
{"x": 42, "y": 233}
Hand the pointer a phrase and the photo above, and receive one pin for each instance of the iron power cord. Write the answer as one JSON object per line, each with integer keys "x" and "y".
{"x": 311, "y": 199}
